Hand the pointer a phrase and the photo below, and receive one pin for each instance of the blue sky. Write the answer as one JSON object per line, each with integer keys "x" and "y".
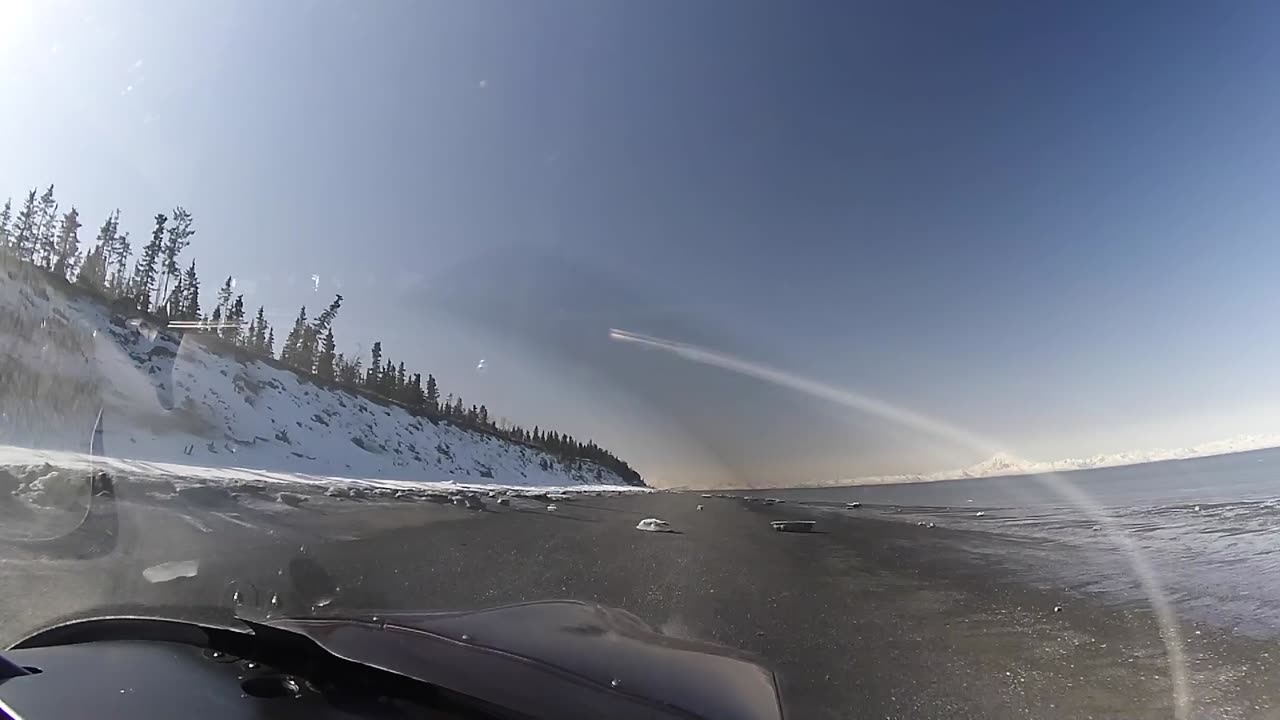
{"x": 1052, "y": 225}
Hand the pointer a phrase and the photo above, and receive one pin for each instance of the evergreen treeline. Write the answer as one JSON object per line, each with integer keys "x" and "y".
{"x": 158, "y": 284}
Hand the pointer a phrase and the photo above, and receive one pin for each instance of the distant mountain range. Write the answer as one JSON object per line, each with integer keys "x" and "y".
{"x": 1005, "y": 465}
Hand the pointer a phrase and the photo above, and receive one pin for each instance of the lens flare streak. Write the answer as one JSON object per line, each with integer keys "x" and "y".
{"x": 1170, "y": 633}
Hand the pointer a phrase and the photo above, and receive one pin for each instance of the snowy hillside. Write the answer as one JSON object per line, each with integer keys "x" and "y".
{"x": 176, "y": 400}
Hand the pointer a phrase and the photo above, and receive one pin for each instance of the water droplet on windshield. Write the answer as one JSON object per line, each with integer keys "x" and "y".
{"x": 219, "y": 656}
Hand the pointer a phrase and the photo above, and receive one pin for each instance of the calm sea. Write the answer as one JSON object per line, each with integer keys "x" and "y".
{"x": 1209, "y": 528}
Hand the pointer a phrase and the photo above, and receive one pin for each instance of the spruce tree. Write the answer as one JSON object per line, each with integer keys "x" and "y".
{"x": 120, "y": 254}
{"x": 24, "y": 228}
{"x": 433, "y": 393}
{"x": 47, "y": 202}
{"x": 144, "y": 273}
{"x": 289, "y": 351}
{"x": 270, "y": 349}
{"x": 6, "y": 221}
{"x": 47, "y": 233}
{"x": 67, "y": 248}
{"x": 375, "y": 367}
{"x": 191, "y": 297}
{"x": 235, "y": 318}
{"x": 93, "y": 271}
{"x": 173, "y": 307}
{"x": 306, "y": 352}
{"x": 47, "y": 241}
{"x": 224, "y": 294}
{"x": 176, "y": 241}
{"x": 115, "y": 255}
{"x": 324, "y": 361}
{"x": 259, "y": 340}
{"x": 249, "y": 336}
{"x": 325, "y": 319}
{"x": 99, "y": 272}
{"x": 316, "y": 331}
{"x": 46, "y": 227}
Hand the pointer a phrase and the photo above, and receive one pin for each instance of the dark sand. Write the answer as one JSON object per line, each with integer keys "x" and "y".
{"x": 866, "y": 618}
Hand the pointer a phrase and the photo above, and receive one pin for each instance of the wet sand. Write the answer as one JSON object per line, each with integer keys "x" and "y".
{"x": 865, "y": 618}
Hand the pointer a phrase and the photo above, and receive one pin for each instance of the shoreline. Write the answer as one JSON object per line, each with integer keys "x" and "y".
{"x": 1114, "y": 648}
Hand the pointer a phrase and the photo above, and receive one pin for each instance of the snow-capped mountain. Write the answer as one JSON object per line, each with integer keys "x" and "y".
{"x": 192, "y": 401}
{"x": 1006, "y": 465}
{"x": 998, "y": 464}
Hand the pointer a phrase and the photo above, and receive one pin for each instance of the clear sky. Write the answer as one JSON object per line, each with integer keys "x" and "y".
{"x": 1049, "y": 224}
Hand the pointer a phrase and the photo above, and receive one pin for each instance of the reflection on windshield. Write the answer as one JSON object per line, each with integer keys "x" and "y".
{"x": 911, "y": 359}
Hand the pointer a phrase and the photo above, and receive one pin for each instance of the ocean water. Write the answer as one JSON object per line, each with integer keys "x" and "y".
{"x": 1208, "y": 529}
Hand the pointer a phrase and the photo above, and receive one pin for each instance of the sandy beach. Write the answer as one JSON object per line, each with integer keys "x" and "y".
{"x": 864, "y": 618}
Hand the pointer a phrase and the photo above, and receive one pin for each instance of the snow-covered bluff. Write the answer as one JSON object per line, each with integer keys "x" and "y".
{"x": 173, "y": 401}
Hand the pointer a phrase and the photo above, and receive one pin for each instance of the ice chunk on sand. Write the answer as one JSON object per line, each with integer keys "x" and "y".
{"x": 654, "y": 525}
{"x": 52, "y": 489}
{"x": 799, "y": 526}
{"x": 291, "y": 499}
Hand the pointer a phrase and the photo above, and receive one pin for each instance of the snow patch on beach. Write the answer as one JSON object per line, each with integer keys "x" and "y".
{"x": 72, "y": 470}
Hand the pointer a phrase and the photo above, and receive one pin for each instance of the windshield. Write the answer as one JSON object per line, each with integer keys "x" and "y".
{"x": 919, "y": 351}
